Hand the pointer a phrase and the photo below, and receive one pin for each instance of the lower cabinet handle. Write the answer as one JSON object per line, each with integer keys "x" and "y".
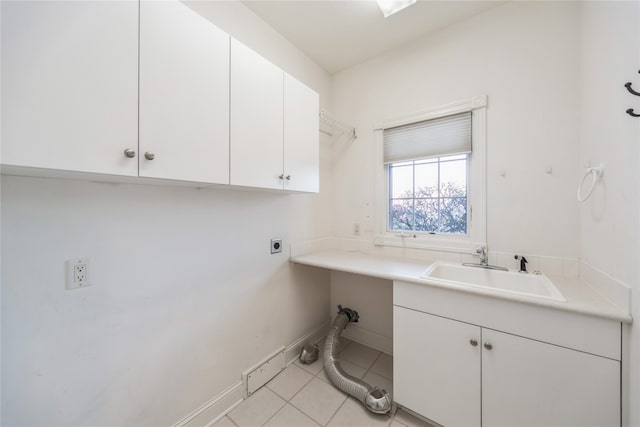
{"x": 129, "y": 153}
{"x": 473, "y": 342}
{"x": 149, "y": 155}
{"x": 488, "y": 346}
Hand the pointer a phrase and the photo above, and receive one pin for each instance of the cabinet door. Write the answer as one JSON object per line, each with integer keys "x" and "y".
{"x": 436, "y": 368}
{"x": 530, "y": 383}
{"x": 184, "y": 95}
{"x": 70, "y": 85}
{"x": 256, "y": 119}
{"x": 301, "y": 137}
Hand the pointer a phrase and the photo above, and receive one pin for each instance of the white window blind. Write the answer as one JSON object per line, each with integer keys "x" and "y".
{"x": 443, "y": 136}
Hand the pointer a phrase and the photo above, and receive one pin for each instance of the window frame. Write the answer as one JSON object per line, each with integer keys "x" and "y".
{"x": 427, "y": 160}
{"x": 476, "y": 183}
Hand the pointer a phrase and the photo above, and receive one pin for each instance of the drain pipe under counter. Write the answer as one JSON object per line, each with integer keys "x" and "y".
{"x": 375, "y": 400}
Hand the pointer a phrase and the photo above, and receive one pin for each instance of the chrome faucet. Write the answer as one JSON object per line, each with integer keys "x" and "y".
{"x": 484, "y": 258}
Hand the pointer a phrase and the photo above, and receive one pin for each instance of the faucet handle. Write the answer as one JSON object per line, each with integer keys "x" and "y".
{"x": 482, "y": 250}
{"x": 523, "y": 263}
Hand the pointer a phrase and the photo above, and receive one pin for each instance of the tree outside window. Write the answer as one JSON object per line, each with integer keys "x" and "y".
{"x": 429, "y": 195}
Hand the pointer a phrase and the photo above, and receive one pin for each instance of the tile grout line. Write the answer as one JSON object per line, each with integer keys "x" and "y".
{"x": 279, "y": 409}
{"x": 372, "y": 365}
{"x": 297, "y": 392}
{"x": 308, "y": 415}
{"x": 337, "y": 410}
{"x": 317, "y": 375}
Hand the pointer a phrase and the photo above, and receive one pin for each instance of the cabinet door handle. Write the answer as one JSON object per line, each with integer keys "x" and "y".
{"x": 130, "y": 153}
{"x": 488, "y": 346}
{"x": 473, "y": 342}
{"x": 288, "y": 177}
{"x": 149, "y": 155}
{"x": 281, "y": 176}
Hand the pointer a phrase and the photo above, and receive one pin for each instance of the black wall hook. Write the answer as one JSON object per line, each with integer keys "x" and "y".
{"x": 633, "y": 92}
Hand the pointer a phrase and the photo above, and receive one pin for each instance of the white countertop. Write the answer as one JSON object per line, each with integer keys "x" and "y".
{"x": 581, "y": 298}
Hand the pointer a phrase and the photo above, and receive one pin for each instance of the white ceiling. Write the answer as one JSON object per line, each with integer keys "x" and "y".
{"x": 339, "y": 34}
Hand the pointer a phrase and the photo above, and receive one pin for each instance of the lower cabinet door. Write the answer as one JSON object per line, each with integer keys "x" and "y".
{"x": 530, "y": 383}
{"x": 436, "y": 367}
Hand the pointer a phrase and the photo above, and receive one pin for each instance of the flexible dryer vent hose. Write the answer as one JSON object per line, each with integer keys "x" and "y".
{"x": 375, "y": 400}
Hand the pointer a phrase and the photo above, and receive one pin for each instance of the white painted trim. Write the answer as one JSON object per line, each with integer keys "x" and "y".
{"x": 368, "y": 338}
{"x": 216, "y": 408}
{"x": 456, "y": 107}
{"x": 433, "y": 243}
{"x": 224, "y": 402}
{"x": 263, "y": 371}
{"x": 477, "y": 184}
{"x": 293, "y": 350}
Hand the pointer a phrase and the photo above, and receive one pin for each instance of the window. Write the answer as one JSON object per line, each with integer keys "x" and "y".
{"x": 429, "y": 195}
{"x": 430, "y": 189}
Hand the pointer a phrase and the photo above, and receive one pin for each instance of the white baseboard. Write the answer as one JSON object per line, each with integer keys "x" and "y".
{"x": 262, "y": 372}
{"x": 293, "y": 350}
{"x": 214, "y": 409}
{"x": 220, "y": 405}
{"x": 370, "y": 339}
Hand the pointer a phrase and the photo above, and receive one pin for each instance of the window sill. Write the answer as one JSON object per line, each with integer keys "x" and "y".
{"x": 442, "y": 243}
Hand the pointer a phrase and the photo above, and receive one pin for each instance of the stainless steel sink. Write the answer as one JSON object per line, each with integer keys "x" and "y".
{"x": 531, "y": 285}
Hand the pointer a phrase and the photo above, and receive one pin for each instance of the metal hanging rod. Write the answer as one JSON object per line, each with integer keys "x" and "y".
{"x": 331, "y": 126}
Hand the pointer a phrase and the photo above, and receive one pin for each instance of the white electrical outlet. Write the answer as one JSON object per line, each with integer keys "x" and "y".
{"x": 78, "y": 273}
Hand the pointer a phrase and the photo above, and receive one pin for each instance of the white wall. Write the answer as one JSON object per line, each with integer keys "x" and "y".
{"x": 237, "y": 20}
{"x": 609, "y": 220}
{"x": 186, "y": 294}
{"x": 554, "y": 74}
{"x": 525, "y": 57}
{"x": 372, "y": 298}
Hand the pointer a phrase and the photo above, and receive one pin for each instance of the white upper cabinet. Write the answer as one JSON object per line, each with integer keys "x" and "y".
{"x": 301, "y": 137}
{"x": 256, "y": 120}
{"x": 70, "y": 85}
{"x": 149, "y": 89}
{"x": 274, "y": 126}
{"x": 184, "y": 95}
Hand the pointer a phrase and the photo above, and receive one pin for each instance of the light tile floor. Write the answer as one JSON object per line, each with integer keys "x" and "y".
{"x": 302, "y": 396}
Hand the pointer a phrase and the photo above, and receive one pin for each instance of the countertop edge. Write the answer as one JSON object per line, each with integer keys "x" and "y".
{"x": 319, "y": 259}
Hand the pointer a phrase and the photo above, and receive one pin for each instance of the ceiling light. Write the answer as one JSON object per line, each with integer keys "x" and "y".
{"x": 389, "y": 7}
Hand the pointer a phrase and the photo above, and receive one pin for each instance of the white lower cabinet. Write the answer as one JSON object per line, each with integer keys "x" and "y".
{"x": 436, "y": 371}
{"x": 530, "y": 384}
{"x": 460, "y": 374}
